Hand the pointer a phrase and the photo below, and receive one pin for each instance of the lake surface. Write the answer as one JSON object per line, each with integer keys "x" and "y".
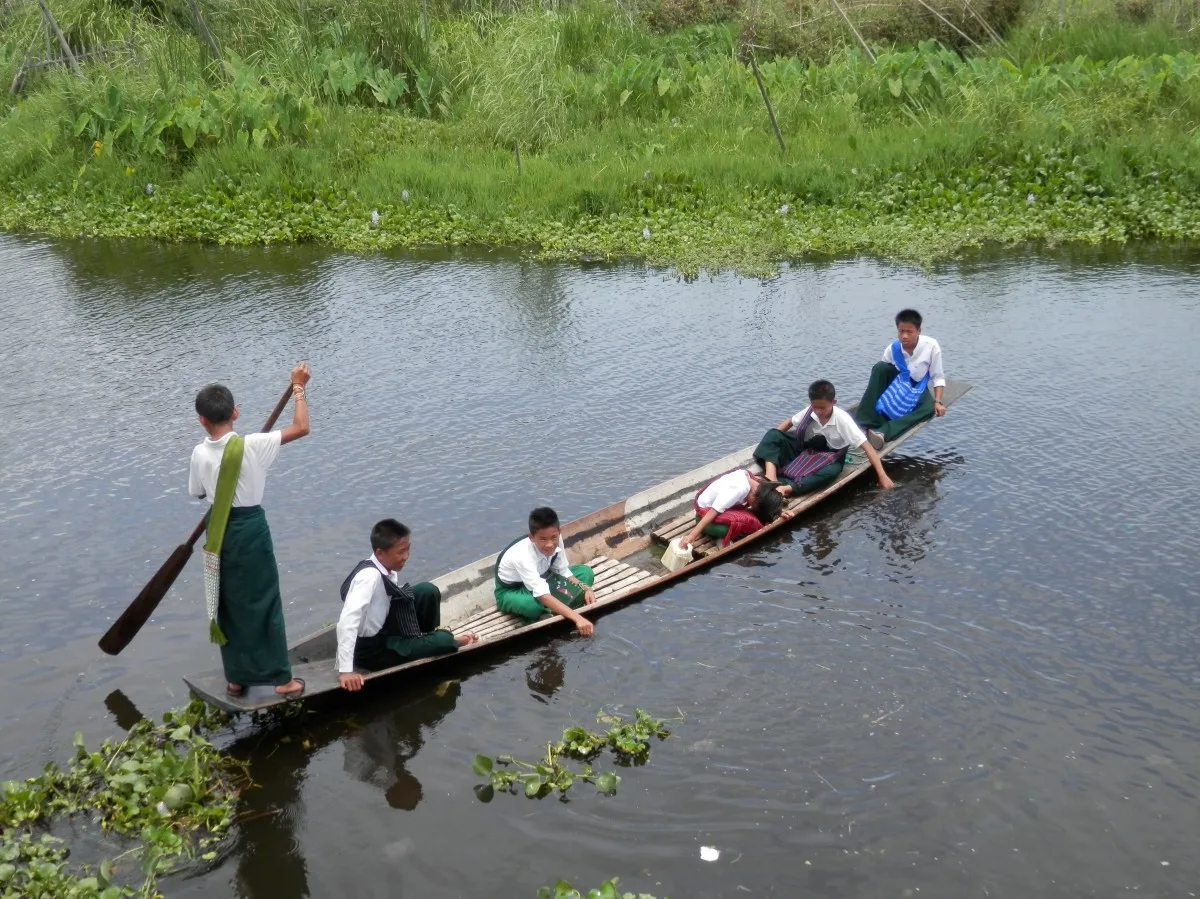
{"x": 985, "y": 683}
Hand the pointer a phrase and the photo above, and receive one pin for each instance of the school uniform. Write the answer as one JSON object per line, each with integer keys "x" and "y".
{"x": 727, "y": 495}
{"x": 524, "y": 573}
{"x": 924, "y": 362}
{"x": 250, "y": 608}
{"x": 385, "y": 623}
{"x": 812, "y": 453}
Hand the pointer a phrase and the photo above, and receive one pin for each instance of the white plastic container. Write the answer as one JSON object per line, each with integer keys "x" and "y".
{"x": 676, "y": 557}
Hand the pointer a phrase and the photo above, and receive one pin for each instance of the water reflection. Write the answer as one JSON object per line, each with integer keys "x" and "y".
{"x": 545, "y": 673}
{"x": 378, "y": 751}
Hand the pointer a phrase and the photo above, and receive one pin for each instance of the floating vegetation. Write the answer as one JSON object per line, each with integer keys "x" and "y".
{"x": 629, "y": 742}
{"x": 606, "y": 890}
{"x": 368, "y": 135}
{"x": 164, "y": 785}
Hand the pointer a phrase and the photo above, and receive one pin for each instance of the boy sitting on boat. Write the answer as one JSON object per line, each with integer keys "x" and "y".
{"x": 385, "y": 623}
{"x": 737, "y": 503}
{"x": 808, "y": 450}
{"x": 533, "y": 576}
{"x": 905, "y": 387}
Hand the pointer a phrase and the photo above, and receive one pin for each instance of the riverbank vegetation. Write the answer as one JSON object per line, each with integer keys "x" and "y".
{"x": 607, "y": 128}
{"x": 163, "y": 795}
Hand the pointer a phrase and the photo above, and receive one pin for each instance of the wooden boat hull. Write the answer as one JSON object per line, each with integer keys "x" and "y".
{"x": 618, "y": 541}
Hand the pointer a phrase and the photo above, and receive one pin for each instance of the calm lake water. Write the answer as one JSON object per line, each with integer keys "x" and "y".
{"x": 986, "y": 683}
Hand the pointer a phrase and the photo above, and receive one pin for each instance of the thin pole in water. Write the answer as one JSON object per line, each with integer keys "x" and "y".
{"x": 762, "y": 89}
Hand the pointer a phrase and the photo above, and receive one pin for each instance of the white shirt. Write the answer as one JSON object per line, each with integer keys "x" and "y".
{"x": 260, "y": 453}
{"x": 364, "y": 611}
{"x": 925, "y": 357}
{"x": 725, "y": 492}
{"x": 840, "y": 432}
{"x": 523, "y": 563}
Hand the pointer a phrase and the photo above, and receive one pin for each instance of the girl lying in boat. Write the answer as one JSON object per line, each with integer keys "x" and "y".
{"x": 737, "y": 503}
{"x": 808, "y": 450}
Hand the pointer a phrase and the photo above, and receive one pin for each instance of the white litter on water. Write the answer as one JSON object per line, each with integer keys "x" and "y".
{"x": 709, "y": 853}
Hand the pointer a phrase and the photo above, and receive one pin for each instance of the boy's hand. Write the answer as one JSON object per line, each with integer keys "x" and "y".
{"x": 939, "y": 408}
{"x": 466, "y": 639}
{"x": 589, "y": 596}
{"x": 886, "y": 483}
{"x": 585, "y": 627}
{"x": 352, "y": 682}
{"x": 301, "y": 374}
{"x": 691, "y": 538}
{"x": 783, "y": 490}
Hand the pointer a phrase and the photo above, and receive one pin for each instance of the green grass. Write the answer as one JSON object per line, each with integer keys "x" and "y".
{"x": 1084, "y": 132}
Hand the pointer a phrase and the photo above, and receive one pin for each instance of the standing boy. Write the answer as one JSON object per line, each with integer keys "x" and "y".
{"x": 898, "y": 394}
{"x": 385, "y": 623}
{"x": 245, "y": 608}
{"x": 808, "y": 450}
{"x": 533, "y": 577}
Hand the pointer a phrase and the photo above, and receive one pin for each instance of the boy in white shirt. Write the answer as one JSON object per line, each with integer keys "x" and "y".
{"x": 248, "y": 613}
{"x": 533, "y": 577}
{"x": 808, "y": 450}
{"x": 737, "y": 503}
{"x": 385, "y": 623}
{"x": 886, "y": 410}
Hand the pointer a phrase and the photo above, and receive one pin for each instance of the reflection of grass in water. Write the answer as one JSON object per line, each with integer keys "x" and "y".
{"x": 624, "y": 132}
{"x": 164, "y": 784}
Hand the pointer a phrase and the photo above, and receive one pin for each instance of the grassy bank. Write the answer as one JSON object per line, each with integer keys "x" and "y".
{"x": 602, "y": 131}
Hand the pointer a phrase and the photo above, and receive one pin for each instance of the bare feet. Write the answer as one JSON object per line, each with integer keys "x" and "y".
{"x": 466, "y": 639}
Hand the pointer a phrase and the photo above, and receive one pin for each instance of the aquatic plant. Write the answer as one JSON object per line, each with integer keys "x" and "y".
{"x": 164, "y": 784}
{"x": 628, "y": 740}
{"x": 578, "y": 133}
{"x": 606, "y": 890}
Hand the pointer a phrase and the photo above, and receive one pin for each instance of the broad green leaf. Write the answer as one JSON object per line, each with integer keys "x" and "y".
{"x": 85, "y": 119}
{"x": 607, "y": 783}
{"x": 532, "y": 788}
{"x": 482, "y": 765}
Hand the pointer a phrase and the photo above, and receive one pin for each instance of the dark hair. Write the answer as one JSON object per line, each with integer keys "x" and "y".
{"x": 215, "y": 403}
{"x": 542, "y": 517}
{"x": 909, "y": 317}
{"x": 388, "y": 533}
{"x": 821, "y": 390}
{"x": 768, "y": 503}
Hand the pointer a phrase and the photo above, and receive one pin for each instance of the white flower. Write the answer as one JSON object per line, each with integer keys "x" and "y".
{"x": 149, "y": 190}
{"x": 374, "y": 218}
{"x": 785, "y": 209}
{"x": 1030, "y": 199}
{"x": 404, "y": 195}
{"x": 645, "y": 234}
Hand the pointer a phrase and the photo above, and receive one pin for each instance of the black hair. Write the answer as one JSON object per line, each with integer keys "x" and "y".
{"x": 768, "y": 503}
{"x": 542, "y": 517}
{"x": 388, "y": 533}
{"x": 215, "y": 404}
{"x": 821, "y": 390}
{"x": 909, "y": 317}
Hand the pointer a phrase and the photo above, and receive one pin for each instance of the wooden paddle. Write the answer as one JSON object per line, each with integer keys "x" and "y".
{"x": 139, "y": 611}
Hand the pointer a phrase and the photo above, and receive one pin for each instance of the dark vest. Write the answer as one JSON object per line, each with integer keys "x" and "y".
{"x": 402, "y": 619}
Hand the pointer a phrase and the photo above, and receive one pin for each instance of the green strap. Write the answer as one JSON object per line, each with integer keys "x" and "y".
{"x": 227, "y": 478}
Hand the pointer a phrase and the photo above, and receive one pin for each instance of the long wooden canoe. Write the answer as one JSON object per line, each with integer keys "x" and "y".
{"x": 622, "y": 543}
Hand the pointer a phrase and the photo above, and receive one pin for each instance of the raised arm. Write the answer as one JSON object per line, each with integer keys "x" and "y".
{"x": 299, "y": 426}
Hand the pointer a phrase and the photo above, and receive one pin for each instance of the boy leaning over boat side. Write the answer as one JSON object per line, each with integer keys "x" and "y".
{"x": 905, "y": 387}
{"x": 533, "y": 576}
{"x": 808, "y": 450}
{"x": 385, "y": 623}
{"x": 733, "y": 505}
{"x": 248, "y": 614}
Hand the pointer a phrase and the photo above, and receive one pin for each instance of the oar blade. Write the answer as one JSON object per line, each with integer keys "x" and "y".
{"x": 125, "y": 628}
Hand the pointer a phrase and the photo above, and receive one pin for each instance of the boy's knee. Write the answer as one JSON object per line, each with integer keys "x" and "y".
{"x": 584, "y": 574}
